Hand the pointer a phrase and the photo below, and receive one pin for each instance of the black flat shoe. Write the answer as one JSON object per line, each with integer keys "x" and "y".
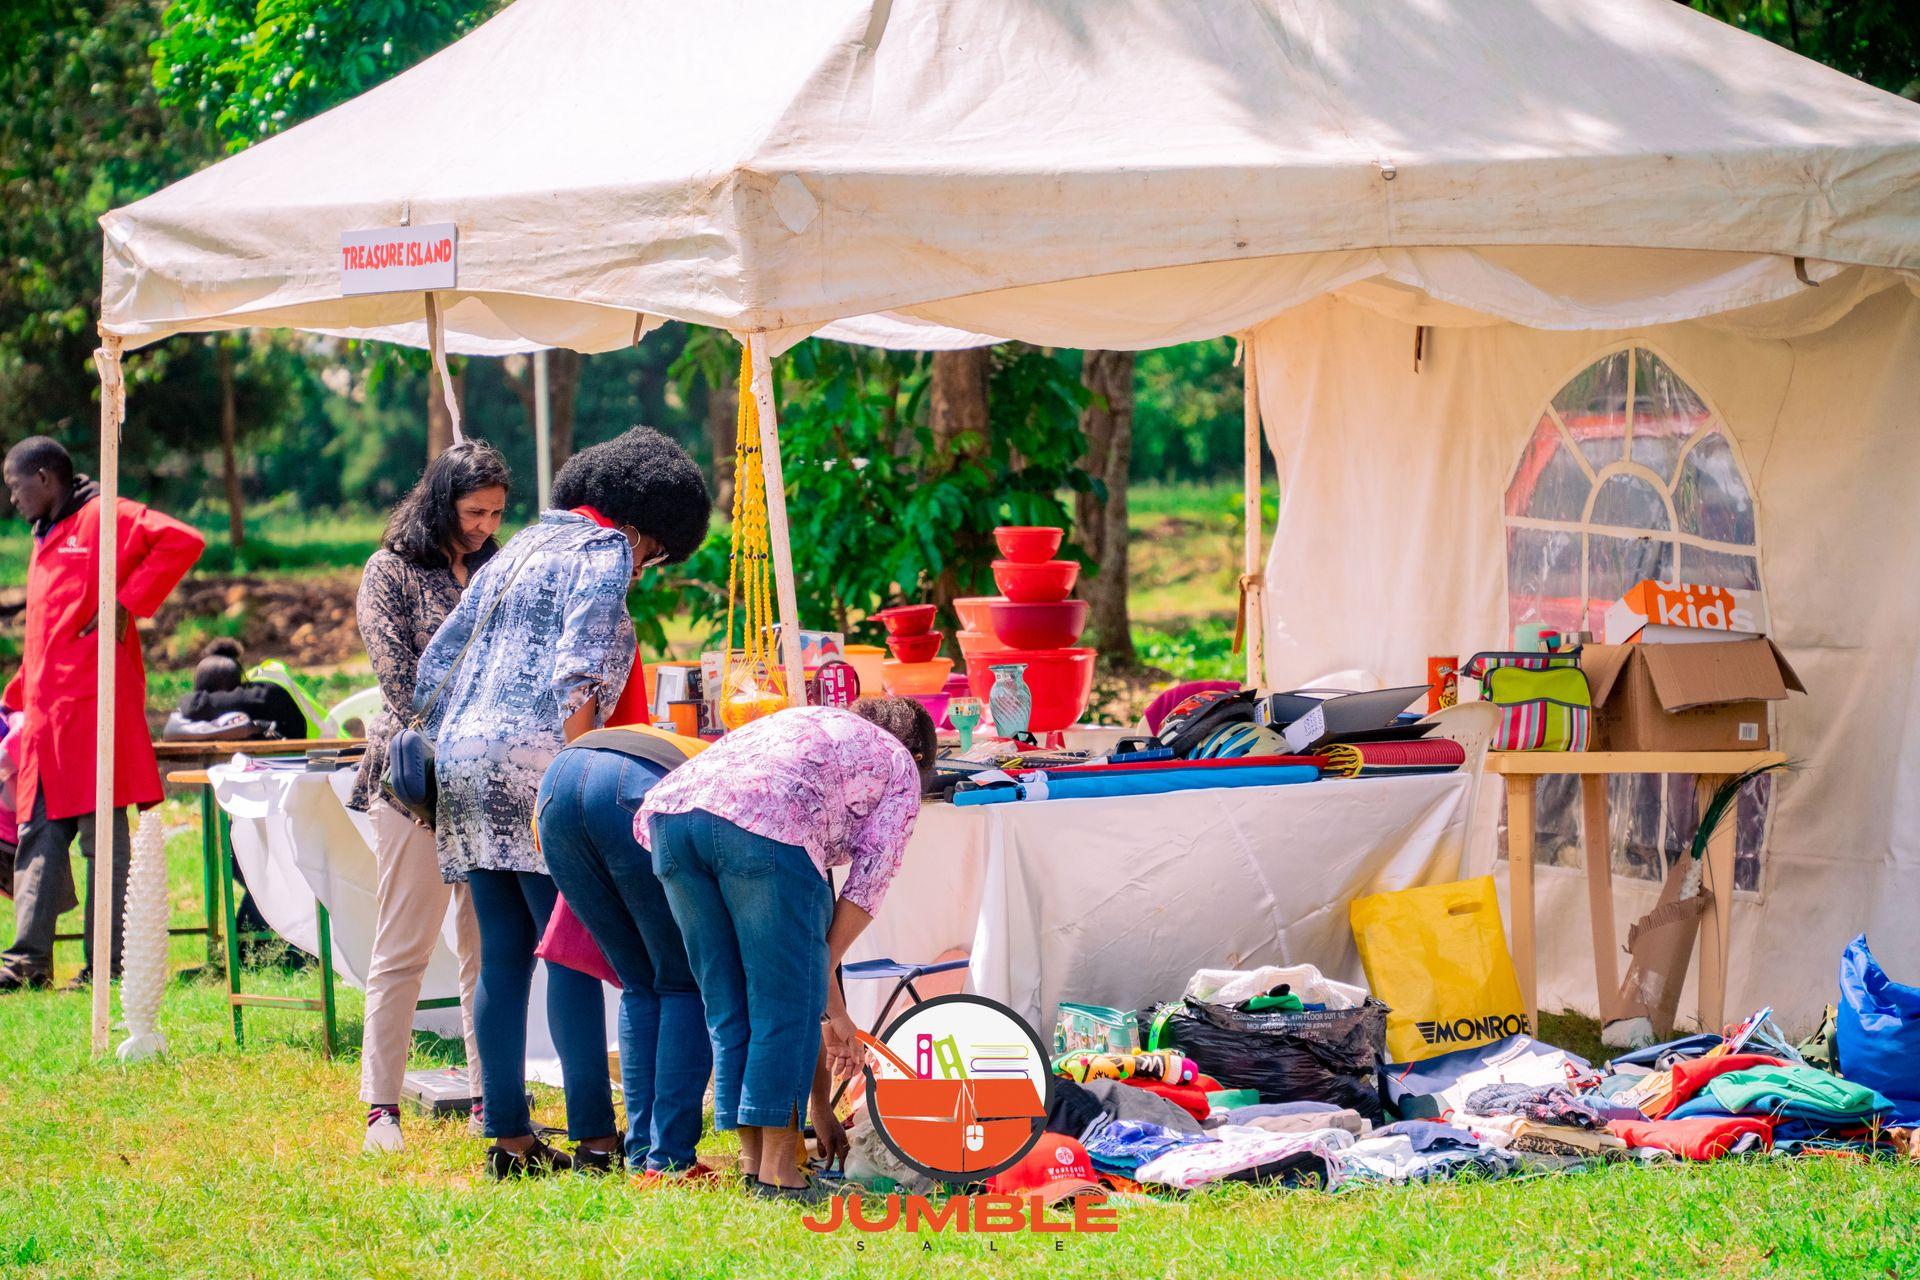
{"x": 12, "y": 979}
{"x": 537, "y": 1161}
{"x": 597, "y": 1164}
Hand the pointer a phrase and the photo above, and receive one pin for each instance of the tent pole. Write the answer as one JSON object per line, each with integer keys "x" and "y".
{"x": 777, "y": 521}
{"x": 542, "y": 431}
{"x": 107, "y": 628}
{"x": 1252, "y": 583}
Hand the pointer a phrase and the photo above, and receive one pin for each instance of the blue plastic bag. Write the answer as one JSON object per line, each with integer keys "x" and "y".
{"x": 1877, "y": 1032}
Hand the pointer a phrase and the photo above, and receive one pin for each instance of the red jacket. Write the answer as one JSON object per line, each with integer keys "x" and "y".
{"x": 55, "y": 686}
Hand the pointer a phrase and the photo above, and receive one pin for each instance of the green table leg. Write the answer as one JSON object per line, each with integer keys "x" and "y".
{"x": 324, "y": 922}
{"x": 223, "y": 838}
{"x": 210, "y": 872}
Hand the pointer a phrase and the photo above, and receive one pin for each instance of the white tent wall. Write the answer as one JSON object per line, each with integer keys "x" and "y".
{"x": 1391, "y": 547}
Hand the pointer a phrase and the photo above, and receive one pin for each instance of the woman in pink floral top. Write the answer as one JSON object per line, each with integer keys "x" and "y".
{"x": 742, "y": 836}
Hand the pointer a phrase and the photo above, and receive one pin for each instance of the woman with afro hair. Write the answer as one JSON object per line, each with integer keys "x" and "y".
{"x": 537, "y": 653}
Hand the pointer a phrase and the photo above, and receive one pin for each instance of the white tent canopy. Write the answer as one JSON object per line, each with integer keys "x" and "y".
{"x": 1117, "y": 174}
{"x": 1126, "y": 174}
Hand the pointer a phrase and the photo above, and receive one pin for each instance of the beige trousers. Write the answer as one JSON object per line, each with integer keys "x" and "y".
{"x": 412, "y": 906}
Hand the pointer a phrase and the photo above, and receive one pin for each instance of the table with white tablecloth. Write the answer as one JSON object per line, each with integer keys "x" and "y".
{"x": 296, "y": 842}
{"x": 1117, "y": 901}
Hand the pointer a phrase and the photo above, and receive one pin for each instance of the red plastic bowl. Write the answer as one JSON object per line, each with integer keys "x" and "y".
{"x": 908, "y": 619}
{"x": 1040, "y": 626}
{"x": 1061, "y": 680}
{"x": 1042, "y": 583}
{"x": 920, "y": 648}
{"x": 1028, "y": 544}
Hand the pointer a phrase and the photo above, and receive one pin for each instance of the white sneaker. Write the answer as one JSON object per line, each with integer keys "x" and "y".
{"x": 383, "y": 1134}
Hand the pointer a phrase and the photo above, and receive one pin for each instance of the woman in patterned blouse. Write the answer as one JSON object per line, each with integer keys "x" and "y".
{"x": 537, "y": 653}
{"x": 440, "y": 534}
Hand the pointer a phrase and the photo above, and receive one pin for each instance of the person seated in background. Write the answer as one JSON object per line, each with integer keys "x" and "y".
{"x": 220, "y": 685}
{"x": 742, "y": 837}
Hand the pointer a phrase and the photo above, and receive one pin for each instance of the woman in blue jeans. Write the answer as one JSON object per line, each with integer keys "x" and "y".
{"x": 585, "y": 810}
{"x": 742, "y": 836}
{"x": 537, "y": 653}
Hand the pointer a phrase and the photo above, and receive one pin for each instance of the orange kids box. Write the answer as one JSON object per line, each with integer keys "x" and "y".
{"x": 1684, "y": 612}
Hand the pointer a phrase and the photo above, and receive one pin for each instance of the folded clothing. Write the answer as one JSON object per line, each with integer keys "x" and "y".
{"x": 1253, "y": 1153}
{"x": 1190, "y": 1098}
{"x": 1441, "y": 1084}
{"x": 1345, "y": 1118}
{"x": 1549, "y": 1104}
{"x": 1687, "y": 1078}
{"x": 1795, "y": 1093}
{"x": 1122, "y": 1146}
{"x": 1517, "y": 1133}
{"x": 1420, "y": 1151}
{"x": 1700, "y": 1138}
{"x": 1072, "y": 1110}
{"x": 1125, "y": 1100}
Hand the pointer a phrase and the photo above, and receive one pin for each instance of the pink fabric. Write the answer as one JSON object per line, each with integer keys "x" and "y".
{"x": 567, "y": 942}
{"x": 840, "y": 787}
{"x": 1158, "y": 709}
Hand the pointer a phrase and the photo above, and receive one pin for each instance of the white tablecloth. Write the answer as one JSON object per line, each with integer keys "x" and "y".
{"x": 296, "y": 841}
{"x": 1117, "y": 901}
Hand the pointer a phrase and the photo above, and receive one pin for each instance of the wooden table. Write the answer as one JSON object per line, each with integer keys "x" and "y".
{"x": 1523, "y": 769}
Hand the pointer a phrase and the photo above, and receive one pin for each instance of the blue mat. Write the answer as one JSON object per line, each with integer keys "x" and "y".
{"x": 1144, "y": 783}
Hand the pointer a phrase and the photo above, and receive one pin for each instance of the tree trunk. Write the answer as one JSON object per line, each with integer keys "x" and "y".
{"x": 229, "y": 444}
{"x": 957, "y": 406}
{"x": 439, "y": 421}
{"x": 723, "y": 419}
{"x": 1108, "y": 423}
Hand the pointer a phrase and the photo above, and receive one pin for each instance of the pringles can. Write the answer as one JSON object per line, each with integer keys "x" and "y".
{"x": 1443, "y": 681}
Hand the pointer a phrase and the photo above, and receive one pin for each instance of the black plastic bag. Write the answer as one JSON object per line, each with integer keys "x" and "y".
{"x": 1331, "y": 1055}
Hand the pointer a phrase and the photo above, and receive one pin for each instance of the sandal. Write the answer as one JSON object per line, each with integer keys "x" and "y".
{"x": 536, "y": 1161}
{"x": 810, "y": 1192}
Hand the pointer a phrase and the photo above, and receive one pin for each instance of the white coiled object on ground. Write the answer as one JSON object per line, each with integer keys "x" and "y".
{"x": 144, "y": 968}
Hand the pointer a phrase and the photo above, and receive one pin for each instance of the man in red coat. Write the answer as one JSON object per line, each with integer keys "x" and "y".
{"x": 56, "y": 689}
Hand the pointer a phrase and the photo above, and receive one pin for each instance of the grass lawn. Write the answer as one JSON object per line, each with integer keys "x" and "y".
{"x": 217, "y": 1162}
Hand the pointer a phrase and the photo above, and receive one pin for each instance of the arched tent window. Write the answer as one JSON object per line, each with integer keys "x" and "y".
{"x": 1629, "y": 475}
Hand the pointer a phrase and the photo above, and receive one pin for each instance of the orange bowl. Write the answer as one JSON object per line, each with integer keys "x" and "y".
{"x": 975, "y": 612}
{"x": 904, "y": 679}
{"x": 974, "y": 642}
{"x": 1061, "y": 681}
{"x": 1042, "y": 583}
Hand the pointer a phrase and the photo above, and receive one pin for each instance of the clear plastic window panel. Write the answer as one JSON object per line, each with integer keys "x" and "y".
{"x": 1702, "y": 494}
{"x": 1666, "y": 414}
{"x": 1710, "y": 498}
{"x": 1594, "y": 408}
{"x": 1550, "y": 483}
{"x": 1629, "y": 502}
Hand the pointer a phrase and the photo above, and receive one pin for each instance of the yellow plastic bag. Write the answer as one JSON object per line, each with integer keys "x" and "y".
{"x": 1437, "y": 956}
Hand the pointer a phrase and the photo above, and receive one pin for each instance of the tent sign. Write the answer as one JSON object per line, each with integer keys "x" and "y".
{"x": 399, "y": 259}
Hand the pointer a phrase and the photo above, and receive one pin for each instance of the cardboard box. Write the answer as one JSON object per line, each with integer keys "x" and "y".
{"x": 1686, "y": 697}
{"x": 1684, "y": 613}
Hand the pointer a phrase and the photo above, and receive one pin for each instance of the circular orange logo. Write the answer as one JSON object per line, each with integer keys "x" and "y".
{"x": 958, "y": 1087}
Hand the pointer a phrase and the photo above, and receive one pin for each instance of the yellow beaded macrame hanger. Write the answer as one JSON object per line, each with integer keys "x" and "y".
{"x": 752, "y": 683}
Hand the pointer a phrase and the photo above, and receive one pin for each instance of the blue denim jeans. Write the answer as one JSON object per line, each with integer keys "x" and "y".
{"x": 512, "y": 908}
{"x": 754, "y": 913}
{"x": 586, "y": 807}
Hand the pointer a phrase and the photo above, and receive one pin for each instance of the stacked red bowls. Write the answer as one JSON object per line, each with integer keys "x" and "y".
{"x": 916, "y": 669}
{"x": 1032, "y": 623}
